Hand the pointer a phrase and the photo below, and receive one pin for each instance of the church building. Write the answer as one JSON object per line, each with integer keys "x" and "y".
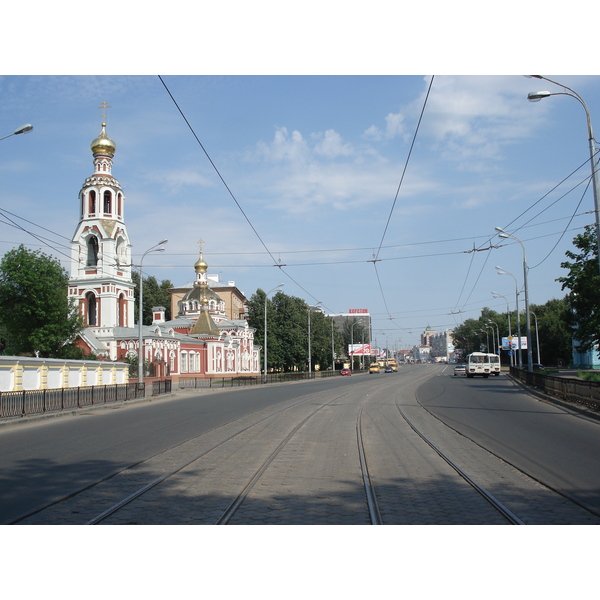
{"x": 202, "y": 340}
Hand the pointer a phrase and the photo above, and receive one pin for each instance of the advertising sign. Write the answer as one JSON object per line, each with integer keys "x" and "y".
{"x": 361, "y": 311}
{"x": 512, "y": 343}
{"x": 359, "y": 349}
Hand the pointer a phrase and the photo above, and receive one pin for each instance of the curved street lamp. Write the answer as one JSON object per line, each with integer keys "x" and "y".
{"x": 497, "y": 295}
{"x": 23, "y": 129}
{"x": 503, "y": 234}
{"x": 502, "y": 271}
{"x": 536, "y": 97}
{"x": 278, "y": 288}
{"x": 492, "y": 324}
{"x": 154, "y": 248}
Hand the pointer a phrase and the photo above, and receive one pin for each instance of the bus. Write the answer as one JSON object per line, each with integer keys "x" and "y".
{"x": 481, "y": 363}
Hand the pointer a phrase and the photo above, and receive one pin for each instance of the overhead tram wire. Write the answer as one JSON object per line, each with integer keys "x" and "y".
{"x": 3, "y": 210}
{"x": 275, "y": 262}
{"x": 405, "y": 167}
{"x": 522, "y": 226}
{"x": 376, "y": 256}
{"x": 566, "y": 228}
{"x": 550, "y": 191}
{"x": 44, "y": 241}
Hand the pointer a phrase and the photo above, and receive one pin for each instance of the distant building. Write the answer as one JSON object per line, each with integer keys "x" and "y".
{"x": 442, "y": 346}
{"x": 426, "y": 336}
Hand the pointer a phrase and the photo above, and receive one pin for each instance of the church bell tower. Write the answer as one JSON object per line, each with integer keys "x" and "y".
{"x": 100, "y": 279}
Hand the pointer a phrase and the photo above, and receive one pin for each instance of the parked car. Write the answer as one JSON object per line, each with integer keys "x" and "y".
{"x": 537, "y": 367}
{"x": 460, "y": 370}
{"x": 345, "y": 372}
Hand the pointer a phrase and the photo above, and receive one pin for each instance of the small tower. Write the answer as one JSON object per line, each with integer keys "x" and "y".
{"x": 201, "y": 297}
{"x": 100, "y": 279}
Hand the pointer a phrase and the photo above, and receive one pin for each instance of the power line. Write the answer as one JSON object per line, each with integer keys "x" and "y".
{"x": 229, "y": 190}
{"x": 405, "y": 166}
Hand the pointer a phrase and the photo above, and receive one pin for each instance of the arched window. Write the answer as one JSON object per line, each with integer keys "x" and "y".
{"x": 92, "y": 251}
{"x": 92, "y": 202}
{"x": 107, "y": 202}
{"x": 120, "y": 205}
{"x": 92, "y": 317}
{"x": 121, "y": 315}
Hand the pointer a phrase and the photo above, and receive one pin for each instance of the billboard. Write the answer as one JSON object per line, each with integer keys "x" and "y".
{"x": 512, "y": 343}
{"x": 359, "y": 349}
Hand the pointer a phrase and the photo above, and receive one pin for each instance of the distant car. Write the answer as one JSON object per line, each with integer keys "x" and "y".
{"x": 373, "y": 368}
{"x": 537, "y": 366}
{"x": 389, "y": 370}
{"x": 460, "y": 370}
{"x": 345, "y": 372}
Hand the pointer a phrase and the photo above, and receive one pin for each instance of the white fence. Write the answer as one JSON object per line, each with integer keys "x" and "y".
{"x": 23, "y": 373}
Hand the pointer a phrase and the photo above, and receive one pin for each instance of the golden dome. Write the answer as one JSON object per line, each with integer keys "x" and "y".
{"x": 201, "y": 266}
{"x": 103, "y": 144}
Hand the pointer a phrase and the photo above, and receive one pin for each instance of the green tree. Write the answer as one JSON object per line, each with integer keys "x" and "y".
{"x": 36, "y": 316}
{"x": 155, "y": 294}
{"x": 287, "y": 329}
{"x": 583, "y": 281}
{"x": 554, "y": 332}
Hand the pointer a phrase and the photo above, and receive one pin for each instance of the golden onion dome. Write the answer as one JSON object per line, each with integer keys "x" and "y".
{"x": 103, "y": 144}
{"x": 201, "y": 266}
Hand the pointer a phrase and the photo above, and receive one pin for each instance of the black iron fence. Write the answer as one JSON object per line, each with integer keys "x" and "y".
{"x": 35, "y": 402}
{"x": 569, "y": 389}
{"x": 226, "y": 382}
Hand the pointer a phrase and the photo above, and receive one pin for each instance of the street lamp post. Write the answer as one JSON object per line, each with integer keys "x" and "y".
{"x": 502, "y": 271}
{"x": 154, "y": 248}
{"x": 536, "y": 97}
{"x": 503, "y": 234}
{"x": 265, "y": 356}
{"x": 537, "y": 338}
{"x": 23, "y": 129}
{"x": 497, "y": 342}
{"x": 354, "y": 322}
{"x": 497, "y": 295}
{"x": 310, "y": 307}
{"x": 487, "y": 338}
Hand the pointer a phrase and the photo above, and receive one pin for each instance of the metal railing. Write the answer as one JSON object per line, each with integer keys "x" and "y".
{"x": 225, "y": 382}
{"x": 34, "y": 402}
{"x": 569, "y": 389}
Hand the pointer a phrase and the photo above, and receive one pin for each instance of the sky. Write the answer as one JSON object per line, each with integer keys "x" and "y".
{"x": 361, "y": 158}
{"x": 316, "y": 140}
{"x": 354, "y": 191}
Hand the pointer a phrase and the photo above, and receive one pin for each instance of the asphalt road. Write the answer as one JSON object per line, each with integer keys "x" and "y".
{"x": 557, "y": 446}
{"x": 46, "y": 460}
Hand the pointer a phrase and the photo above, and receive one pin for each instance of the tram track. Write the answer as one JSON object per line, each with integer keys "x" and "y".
{"x": 368, "y": 455}
{"x": 139, "y": 492}
{"x": 499, "y": 506}
{"x": 550, "y": 490}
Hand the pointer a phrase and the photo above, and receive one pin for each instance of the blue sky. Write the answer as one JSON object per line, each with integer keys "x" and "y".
{"x": 309, "y": 117}
{"x": 313, "y": 165}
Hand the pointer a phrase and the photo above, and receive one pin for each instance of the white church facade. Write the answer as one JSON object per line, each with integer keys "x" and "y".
{"x": 200, "y": 341}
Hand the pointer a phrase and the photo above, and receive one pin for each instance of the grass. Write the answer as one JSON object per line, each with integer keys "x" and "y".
{"x": 588, "y": 376}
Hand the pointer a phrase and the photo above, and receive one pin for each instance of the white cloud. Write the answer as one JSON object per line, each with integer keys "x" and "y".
{"x": 331, "y": 145}
{"x": 284, "y": 147}
{"x": 175, "y": 180}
